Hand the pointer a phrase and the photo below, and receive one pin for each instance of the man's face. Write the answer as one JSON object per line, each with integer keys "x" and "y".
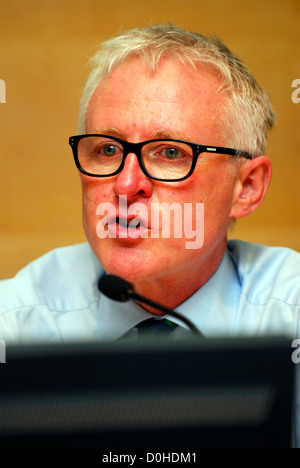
{"x": 135, "y": 105}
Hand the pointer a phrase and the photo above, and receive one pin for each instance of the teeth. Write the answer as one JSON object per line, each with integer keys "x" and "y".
{"x": 135, "y": 223}
{"x": 122, "y": 222}
{"x": 131, "y": 223}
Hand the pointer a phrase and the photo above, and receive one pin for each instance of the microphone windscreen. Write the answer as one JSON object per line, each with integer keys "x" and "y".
{"x": 114, "y": 287}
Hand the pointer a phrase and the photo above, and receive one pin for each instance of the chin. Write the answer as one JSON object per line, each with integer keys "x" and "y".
{"x": 134, "y": 265}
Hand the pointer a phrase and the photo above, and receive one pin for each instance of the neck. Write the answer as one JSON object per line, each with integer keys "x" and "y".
{"x": 173, "y": 289}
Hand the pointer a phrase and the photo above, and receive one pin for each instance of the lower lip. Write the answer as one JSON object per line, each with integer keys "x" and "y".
{"x": 117, "y": 231}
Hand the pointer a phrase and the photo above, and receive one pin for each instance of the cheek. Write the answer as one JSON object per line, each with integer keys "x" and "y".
{"x": 94, "y": 192}
{"x": 218, "y": 205}
{"x": 214, "y": 188}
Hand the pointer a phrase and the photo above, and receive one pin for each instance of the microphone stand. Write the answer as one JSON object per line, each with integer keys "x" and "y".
{"x": 136, "y": 297}
{"x": 118, "y": 289}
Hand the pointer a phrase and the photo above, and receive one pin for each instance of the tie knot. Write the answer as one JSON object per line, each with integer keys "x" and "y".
{"x": 156, "y": 327}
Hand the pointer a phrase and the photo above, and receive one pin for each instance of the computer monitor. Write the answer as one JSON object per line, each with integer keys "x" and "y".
{"x": 195, "y": 393}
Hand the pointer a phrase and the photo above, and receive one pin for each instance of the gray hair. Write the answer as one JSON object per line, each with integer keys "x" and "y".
{"x": 248, "y": 116}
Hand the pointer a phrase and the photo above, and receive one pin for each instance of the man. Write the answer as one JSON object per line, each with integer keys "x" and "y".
{"x": 172, "y": 152}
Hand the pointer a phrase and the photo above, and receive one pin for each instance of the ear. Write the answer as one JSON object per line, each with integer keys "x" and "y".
{"x": 253, "y": 182}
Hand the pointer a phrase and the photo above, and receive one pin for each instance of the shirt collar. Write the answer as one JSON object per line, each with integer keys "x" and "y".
{"x": 117, "y": 318}
{"x": 213, "y": 307}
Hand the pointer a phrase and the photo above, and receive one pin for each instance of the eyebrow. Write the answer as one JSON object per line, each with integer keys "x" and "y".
{"x": 108, "y": 131}
{"x": 173, "y": 136}
{"x": 160, "y": 134}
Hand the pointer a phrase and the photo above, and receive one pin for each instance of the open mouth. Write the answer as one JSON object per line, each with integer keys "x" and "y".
{"x": 134, "y": 223}
{"x": 123, "y": 227}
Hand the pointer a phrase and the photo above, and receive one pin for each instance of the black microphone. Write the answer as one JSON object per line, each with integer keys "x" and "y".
{"x": 120, "y": 290}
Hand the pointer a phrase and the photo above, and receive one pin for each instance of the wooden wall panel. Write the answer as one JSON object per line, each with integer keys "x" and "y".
{"x": 44, "y": 48}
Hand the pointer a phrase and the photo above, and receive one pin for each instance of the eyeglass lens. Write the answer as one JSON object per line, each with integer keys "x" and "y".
{"x": 103, "y": 156}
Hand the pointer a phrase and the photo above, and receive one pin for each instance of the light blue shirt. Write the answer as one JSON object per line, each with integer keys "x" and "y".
{"x": 255, "y": 291}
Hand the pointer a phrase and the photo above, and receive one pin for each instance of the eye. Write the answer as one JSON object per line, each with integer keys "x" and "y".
{"x": 109, "y": 150}
{"x": 172, "y": 153}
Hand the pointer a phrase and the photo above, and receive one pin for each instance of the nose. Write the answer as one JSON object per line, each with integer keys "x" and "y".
{"x": 132, "y": 182}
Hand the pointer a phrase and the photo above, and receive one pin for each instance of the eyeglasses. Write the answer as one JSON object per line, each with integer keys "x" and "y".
{"x": 165, "y": 160}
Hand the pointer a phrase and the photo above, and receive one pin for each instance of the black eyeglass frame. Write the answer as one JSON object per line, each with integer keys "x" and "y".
{"x": 136, "y": 148}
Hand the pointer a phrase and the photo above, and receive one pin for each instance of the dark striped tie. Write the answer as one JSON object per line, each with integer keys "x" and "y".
{"x": 154, "y": 327}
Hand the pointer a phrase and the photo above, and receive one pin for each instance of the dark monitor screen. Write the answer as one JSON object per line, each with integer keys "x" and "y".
{"x": 189, "y": 394}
